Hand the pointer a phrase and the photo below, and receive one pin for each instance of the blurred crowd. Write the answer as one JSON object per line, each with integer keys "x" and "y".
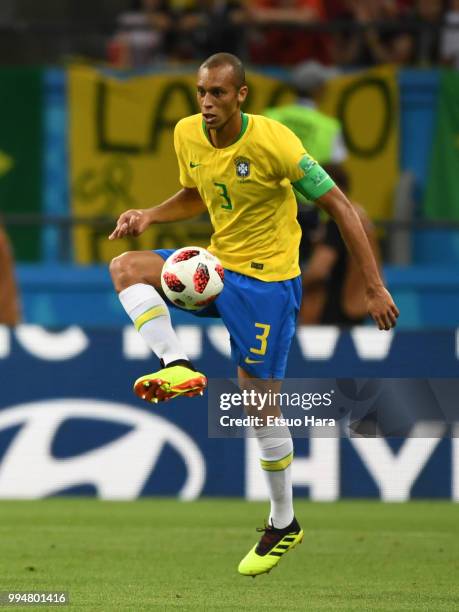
{"x": 285, "y": 32}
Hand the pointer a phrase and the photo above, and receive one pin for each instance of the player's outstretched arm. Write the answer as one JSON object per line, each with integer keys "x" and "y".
{"x": 185, "y": 204}
{"x": 380, "y": 304}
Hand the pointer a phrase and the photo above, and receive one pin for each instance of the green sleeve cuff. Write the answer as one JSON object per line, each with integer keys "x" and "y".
{"x": 315, "y": 182}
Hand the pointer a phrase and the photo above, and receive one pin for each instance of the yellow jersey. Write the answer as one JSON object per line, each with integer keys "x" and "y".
{"x": 246, "y": 187}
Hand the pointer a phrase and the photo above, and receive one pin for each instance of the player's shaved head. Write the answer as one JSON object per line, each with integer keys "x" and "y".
{"x": 227, "y": 59}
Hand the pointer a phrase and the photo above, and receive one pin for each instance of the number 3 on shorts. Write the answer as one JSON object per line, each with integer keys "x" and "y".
{"x": 263, "y": 338}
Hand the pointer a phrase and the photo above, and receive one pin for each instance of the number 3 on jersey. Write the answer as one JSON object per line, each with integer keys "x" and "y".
{"x": 223, "y": 191}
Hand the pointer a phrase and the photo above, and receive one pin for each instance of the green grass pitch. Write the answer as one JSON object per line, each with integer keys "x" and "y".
{"x": 162, "y": 554}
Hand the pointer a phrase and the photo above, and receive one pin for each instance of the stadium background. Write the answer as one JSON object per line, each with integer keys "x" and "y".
{"x": 82, "y": 140}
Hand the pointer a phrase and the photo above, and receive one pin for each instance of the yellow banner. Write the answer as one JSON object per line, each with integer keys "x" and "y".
{"x": 122, "y": 154}
{"x": 367, "y": 106}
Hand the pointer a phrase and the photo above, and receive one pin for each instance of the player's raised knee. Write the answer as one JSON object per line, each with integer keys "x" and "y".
{"x": 136, "y": 267}
{"x": 124, "y": 270}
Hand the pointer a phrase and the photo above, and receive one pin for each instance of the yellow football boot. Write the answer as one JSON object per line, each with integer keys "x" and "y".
{"x": 272, "y": 546}
{"x": 173, "y": 381}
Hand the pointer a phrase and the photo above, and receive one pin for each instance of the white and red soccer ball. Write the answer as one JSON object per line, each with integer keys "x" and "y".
{"x": 192, "y": 278}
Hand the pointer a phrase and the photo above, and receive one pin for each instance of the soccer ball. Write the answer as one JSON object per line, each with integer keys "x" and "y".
{"x": 192, "y": 278}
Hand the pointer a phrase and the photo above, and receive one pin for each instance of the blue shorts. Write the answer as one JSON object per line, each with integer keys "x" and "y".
{"x": 260, "y": 317}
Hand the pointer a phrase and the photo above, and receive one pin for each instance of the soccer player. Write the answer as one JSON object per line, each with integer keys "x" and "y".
{"x": 241, "y": 169}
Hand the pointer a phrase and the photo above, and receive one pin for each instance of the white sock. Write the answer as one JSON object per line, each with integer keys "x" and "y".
{"x": 276, "y": 454}
{"x": 151, "y": 318}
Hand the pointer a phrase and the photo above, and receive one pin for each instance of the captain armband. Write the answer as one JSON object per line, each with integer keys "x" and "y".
{"x": 315, "y": 182}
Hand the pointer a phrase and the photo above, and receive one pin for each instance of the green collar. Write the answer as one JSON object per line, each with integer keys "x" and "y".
{"x": 245, "y": 123}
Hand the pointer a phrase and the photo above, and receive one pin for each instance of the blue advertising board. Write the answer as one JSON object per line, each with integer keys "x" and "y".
{"x": 69, "y": 423}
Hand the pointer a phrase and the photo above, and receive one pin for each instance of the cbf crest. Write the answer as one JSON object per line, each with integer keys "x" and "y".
{"x": 242, "y": 167}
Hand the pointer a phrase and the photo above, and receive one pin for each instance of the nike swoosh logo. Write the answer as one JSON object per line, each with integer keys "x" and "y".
{"x": 193, "y": 165}
{"x": 248, "y": 360}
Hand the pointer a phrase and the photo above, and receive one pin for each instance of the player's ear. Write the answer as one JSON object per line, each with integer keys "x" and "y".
{"x": 242, "y": 94}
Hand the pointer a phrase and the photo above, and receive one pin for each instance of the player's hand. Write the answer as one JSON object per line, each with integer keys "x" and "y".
{"x": 131, "y": 223}
{"x": 382, "y": 308}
